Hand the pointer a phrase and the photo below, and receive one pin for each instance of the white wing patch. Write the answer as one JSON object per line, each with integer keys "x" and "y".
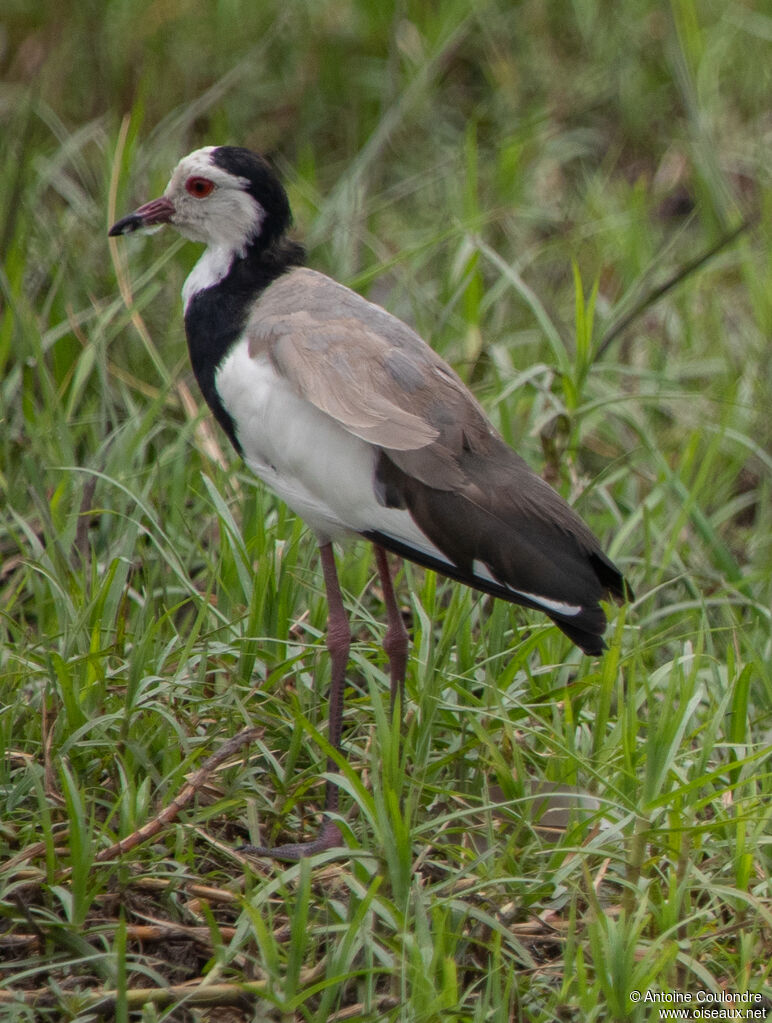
{"x": 482, "y": 571}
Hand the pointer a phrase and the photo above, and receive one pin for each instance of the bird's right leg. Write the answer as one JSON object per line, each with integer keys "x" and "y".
{"x": 338, "y": 645}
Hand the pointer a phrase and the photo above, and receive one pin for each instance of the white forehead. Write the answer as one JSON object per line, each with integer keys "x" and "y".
{"x": 200, "y": 163}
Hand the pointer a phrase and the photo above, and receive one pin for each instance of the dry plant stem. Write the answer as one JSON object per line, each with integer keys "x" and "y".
{"x": 245, "y": 995}
{"x": 49, "y": 773}
{"x": 104, "y": 1002}
{"x": 202, "y": 936}
{"x": 180, "y": 801}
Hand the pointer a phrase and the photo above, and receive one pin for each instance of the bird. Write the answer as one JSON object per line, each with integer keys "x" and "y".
{"x": 352, "y": 419}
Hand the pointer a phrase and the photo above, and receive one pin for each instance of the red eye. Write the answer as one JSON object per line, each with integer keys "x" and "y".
{"x": 199, "y": 188}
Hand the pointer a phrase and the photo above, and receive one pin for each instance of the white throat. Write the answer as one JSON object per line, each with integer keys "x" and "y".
{"x": 208, "y": 271}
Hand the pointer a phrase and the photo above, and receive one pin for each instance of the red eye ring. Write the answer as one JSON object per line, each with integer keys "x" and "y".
{"x": 199, "y": 188}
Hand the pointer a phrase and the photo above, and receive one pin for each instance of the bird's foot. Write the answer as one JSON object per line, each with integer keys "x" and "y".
{"x": 329, "y": 837}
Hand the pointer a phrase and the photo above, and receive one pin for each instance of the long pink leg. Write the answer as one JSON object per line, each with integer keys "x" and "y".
{"x": 338, "y": 645}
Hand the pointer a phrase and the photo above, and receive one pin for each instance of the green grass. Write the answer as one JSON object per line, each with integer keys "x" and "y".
{"x": 515, "y": 179}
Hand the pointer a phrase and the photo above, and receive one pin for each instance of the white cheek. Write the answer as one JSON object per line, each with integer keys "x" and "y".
{"x": 240, "y": 219}
{"x": 228, "y": 219}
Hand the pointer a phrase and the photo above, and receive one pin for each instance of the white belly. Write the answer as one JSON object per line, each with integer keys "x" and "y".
{"x": 323, "y": 472}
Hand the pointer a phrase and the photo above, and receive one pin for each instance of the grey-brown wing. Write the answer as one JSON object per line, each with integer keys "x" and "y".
{"x": 369, "y": 371}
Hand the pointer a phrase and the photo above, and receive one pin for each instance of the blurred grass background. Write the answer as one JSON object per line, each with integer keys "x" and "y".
{"x": 517, "y": 180}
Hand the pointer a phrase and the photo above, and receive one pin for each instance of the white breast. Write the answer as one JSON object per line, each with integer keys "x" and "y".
{"x": 323, "y": 472}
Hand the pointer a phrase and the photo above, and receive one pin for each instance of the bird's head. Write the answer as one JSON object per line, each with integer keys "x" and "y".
{"x": 224, "y": 196}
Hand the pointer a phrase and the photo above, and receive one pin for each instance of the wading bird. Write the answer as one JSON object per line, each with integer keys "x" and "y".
{"x": 352, "y": 419}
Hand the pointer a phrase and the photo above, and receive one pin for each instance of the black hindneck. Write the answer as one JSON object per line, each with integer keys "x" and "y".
{"x": 216, "y": 316}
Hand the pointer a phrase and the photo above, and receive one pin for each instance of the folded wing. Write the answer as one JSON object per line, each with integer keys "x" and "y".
{"x": 501, "y": 527}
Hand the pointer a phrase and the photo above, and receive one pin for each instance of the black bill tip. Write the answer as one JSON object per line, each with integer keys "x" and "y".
{"x": 125, "y": 226}
{"x": 152, "y": 215}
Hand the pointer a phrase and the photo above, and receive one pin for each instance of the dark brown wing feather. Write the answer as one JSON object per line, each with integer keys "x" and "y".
{"x": 509, "y": 520}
